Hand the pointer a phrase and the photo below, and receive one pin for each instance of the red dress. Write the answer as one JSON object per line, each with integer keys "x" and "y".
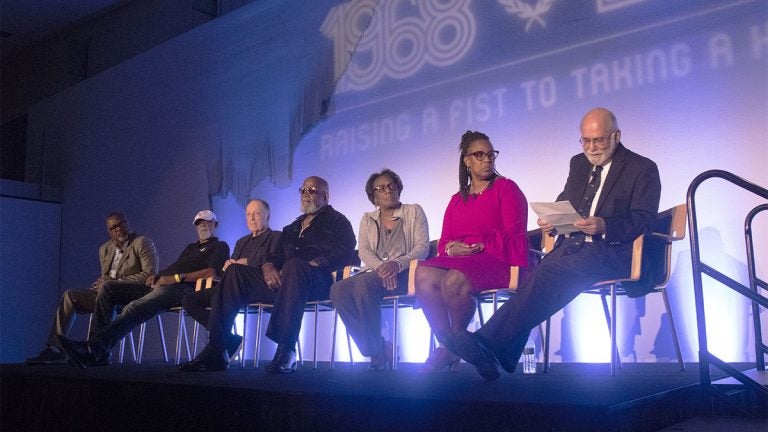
{"x": 498, "y": 218}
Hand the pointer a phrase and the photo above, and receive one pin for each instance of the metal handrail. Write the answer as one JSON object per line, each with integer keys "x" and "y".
{"x": 707, "y": 359}
{"x": 761, "y": 349}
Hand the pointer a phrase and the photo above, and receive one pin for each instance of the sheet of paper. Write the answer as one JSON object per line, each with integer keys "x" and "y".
{"x": 560, "y": 214}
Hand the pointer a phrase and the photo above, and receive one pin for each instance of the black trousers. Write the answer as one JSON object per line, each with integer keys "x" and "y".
{"x": 557, "y": 280}
{"x": 240, "y": 285}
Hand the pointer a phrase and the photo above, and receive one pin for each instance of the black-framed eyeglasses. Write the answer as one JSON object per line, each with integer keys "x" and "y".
{"x": 117, "y": 226}
{"x": 310, "y": 190}
{"x": 481, "y": 156}
{"x": 599, "y": 141}
{"x": 382, "y": 188}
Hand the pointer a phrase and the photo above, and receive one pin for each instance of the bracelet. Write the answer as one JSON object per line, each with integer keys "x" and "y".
{"x": 177, "y": 277}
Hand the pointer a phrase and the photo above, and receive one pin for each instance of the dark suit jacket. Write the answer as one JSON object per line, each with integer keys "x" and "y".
{"x": 630, "y": 197}
{"x": 139, "y": 259}
{"x": 266, "y": 243}
{"x": 628, "y": 202}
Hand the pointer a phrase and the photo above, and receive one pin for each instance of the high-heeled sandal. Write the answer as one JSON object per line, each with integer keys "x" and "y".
{"x": 439, "y": 359}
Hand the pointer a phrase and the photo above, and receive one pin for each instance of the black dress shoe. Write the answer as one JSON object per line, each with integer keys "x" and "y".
{"x": 383, "y": 360}
{"x": 84, "y": 354}
{"x": 207, "y": 361}
{"x": 470, "y": 349}
{"x": 284, "y": 361}
{"x": 233, "y": 344}
{"x": 48, "y": 356}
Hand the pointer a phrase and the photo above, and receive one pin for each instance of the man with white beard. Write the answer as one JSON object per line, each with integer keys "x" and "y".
{"x": 141, "y": 302}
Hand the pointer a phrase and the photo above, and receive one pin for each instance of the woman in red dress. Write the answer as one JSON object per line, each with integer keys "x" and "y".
{"x": 484, "y": 233}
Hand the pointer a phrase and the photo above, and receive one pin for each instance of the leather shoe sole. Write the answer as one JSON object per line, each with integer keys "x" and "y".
{"x": 203, "y": 366}
{"x": 48, "y": 357}
{"x": 80, "y": 353}
{"x": 470, "y": 349}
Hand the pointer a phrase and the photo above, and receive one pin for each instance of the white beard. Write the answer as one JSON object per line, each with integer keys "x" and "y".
{"x": 204, "y": 234}
{"x": 309, "y": 208}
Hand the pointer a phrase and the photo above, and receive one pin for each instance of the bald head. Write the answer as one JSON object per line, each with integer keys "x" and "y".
{"x": 600, "y": 116}
{"x": 600, "y": 135}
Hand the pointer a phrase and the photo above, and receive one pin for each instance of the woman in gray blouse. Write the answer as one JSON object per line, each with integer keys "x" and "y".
{"x": 389, "y": 237}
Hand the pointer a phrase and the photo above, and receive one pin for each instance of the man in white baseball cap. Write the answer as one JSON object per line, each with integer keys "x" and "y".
{"x": 205, "y": 215}
{"x": 141, "y": 302}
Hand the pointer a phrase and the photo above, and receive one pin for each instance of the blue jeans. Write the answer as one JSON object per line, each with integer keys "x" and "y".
{"x": 139, "y": 302}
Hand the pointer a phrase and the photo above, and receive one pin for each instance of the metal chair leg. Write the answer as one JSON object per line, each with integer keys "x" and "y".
{"x": 349, "y": 347}
{"x": 181, "y": 329}
{"x": 162, "y": 336}
{"x": 610, "y": 322}
{"x": 121, "y": 352}
{"x": 314, "y": 348}
{"x": 333, "y": 336}
{"x": 672, "y": 327}
{"x": 259, "y": 313}
{"x": 546, "y": 345}
{"x": 614, "y": 347}
{"x": 395, "y": 338}
{"x": 195, "y": 331}
{"x": 142, "y": 330}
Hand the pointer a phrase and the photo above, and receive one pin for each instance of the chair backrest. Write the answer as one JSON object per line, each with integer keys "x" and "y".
{"x": 415, "y": 263}
{"x": 657, "y": 251}
{"x": 670, "y": 227}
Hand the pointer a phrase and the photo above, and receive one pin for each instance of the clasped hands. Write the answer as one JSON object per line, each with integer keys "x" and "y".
{"x": 388, "y": 271}
{"x": 592, "y": 225}
{"x": 457, "y": 248}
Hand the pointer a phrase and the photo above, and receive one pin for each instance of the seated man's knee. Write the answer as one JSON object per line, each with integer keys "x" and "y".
{"x": 192, "y": 300}
{"x": 293, "y": 264}
{"x": 337, "y": 292}
{"x": 108, "y": 289}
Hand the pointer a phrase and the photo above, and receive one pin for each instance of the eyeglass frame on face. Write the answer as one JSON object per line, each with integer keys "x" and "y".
{"x": 117, "y": 226}
{"x": 381, "y": 188}
{"x": 482, "y": 156}
{"x": 602, "y": 141}
{"x": 310, "y": 190}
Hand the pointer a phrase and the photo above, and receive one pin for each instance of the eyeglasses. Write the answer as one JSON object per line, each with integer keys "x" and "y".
{"x": 382, "y": 188}
{"x": 599, "y": 141}
{"x": 481, "y": 156}
{"x": 310, "y": 190}
{"x": 117, "y": 226}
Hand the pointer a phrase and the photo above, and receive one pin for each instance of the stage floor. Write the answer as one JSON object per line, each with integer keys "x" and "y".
{"x": 646, "y": 396}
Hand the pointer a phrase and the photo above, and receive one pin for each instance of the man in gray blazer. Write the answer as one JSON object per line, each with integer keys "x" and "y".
{"x": 617, "y": 192}
{"x": 126, "y": 256}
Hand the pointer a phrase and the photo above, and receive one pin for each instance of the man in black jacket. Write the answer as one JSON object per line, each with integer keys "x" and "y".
{"x": 318, "y": 242}
{"x": 617, "y": 191}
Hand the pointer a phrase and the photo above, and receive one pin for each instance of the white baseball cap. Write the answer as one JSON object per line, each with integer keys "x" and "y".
{"x": 205, "y": 215}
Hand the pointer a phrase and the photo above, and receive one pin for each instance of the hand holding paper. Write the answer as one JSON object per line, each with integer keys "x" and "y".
{"x": 560, "y": 214}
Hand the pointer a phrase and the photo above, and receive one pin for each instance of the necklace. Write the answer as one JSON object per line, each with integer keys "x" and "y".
{"x": 306, "y": 223}
{"x": 483, "y": 189}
